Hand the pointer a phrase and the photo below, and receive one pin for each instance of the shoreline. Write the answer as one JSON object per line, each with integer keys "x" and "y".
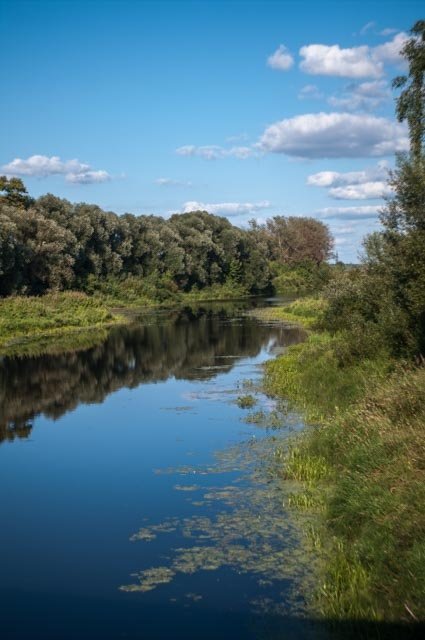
{"x": 359, "y": 465}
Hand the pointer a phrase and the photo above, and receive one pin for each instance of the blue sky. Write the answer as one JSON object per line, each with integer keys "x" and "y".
{"x": 247, "y": 109}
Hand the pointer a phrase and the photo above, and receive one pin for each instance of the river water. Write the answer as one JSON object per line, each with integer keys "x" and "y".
{"x": 139, "y": 499}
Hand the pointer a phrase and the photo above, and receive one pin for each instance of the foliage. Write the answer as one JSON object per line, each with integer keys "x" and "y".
{"x": 410, "y": 104}
{"x": 297, "y": 240}
{"x": 52, "y": 244}
{"x": 301, "y": 278}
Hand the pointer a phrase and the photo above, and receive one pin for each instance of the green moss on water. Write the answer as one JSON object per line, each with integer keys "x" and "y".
{"x": 249, "y": 528}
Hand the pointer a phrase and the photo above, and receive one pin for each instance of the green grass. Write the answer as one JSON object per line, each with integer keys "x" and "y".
{"x": 364, "y": 463}
{"x": 25, "y": 320}
{"x": 218, "y": 292}
{"x": 312, "y": 376}
{"x": 306, "y": 312}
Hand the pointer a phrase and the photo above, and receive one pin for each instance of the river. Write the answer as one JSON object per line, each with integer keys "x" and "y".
{"x": 141, "y": 495}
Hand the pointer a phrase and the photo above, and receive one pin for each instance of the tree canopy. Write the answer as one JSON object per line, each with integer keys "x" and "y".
{"x": 51, "y": 243}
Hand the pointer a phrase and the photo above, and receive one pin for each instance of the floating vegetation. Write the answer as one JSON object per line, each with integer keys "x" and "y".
{"x": 187, "y": 487}
{"x": 246, "y": 402}
{"x": 251, "y": 533}
{"x": 150, "y": 533}
{"x": 150, "y": 579}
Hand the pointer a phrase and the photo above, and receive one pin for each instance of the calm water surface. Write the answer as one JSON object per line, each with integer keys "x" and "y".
{"x": 138, "y": 501}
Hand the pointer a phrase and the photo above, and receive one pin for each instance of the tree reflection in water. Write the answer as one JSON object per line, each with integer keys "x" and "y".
{"x": 185, "y": 344}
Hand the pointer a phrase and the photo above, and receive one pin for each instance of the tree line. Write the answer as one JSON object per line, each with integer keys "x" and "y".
{"x": 49, "y": 243}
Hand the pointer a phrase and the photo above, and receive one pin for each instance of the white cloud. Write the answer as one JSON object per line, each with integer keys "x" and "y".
{"x": 357, "y": 62}
{"x": 39, "y": 166}
{"x": 350, "y": 213}
{"x": 226, "y": 208}
{"x": 354, "y": 62}
{"x": 169, "y": 182}
{"x": 364, "y": 96}
{"x": 334, "y": 135}
{"x": 389, "y": 52}
{"x": 88, "y": 177}
{"x": 365, "y": 191}
{"x": 281, "y": 59}
{"x": 335, "y": 178}
{"x": 215, "y": 152}
{"x": 310, "y": 91}
{"x": 354, "y": 185}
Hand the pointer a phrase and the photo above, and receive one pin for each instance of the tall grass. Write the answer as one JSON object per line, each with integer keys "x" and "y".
{"x": 364, "y": 463}
{"x": 50, "y": 315}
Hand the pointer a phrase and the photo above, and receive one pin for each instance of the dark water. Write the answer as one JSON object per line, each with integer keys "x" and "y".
{"x": 137, "y": 501}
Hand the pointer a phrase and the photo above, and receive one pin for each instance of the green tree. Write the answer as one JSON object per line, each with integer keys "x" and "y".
{"x": 410, "y": 104}
{"x": 14, "y": 192}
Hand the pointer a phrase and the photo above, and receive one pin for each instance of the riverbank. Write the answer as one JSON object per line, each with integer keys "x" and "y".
{"x": 53, "y": 321}
{"x": 72, "y": 320}
{"x": 361, "y": 465}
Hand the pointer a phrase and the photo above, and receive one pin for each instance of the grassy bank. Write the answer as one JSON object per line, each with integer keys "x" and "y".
{"x": 363, "y": 465}
{"x": 29, "y": 324}
{"x": 305, "y": 311}
{"x": 71, "y": 320}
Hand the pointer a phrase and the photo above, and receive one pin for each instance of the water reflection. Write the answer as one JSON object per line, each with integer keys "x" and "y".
{"x": 188, "y": 344}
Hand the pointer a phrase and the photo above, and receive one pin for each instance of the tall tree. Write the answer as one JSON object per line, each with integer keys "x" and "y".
{"x": 410, "y": 104}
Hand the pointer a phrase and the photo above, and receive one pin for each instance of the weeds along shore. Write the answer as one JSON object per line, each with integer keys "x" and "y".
{"x": 361, "y": 467}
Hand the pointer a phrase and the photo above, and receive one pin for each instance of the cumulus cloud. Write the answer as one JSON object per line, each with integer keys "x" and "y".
{"x": 365, "y": 96}
{"x": 365, "y": 191}
{"x": 389, "y": 52}
{"x": 39, "y": 166}
{"x": 335, "y": 178}
{"x": 354, "y": 185}
{"x": 169, "y": 182}
{"x": 350, "y": 213}
{"x": 87, "y": 177}
{"x": 334, "y": 135}
{"x": 354, "y": 62}
{"x": 281, "y": 59}
{"x": 226, "y": 208}
{"x": 215, "y": 152}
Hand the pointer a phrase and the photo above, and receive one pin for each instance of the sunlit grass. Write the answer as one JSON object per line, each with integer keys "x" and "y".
{"x": 305, "y": 311}
{"x": 52, "y": 315}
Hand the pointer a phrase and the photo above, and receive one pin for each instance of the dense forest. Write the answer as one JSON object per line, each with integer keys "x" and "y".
{"x": 51, "y": 244}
